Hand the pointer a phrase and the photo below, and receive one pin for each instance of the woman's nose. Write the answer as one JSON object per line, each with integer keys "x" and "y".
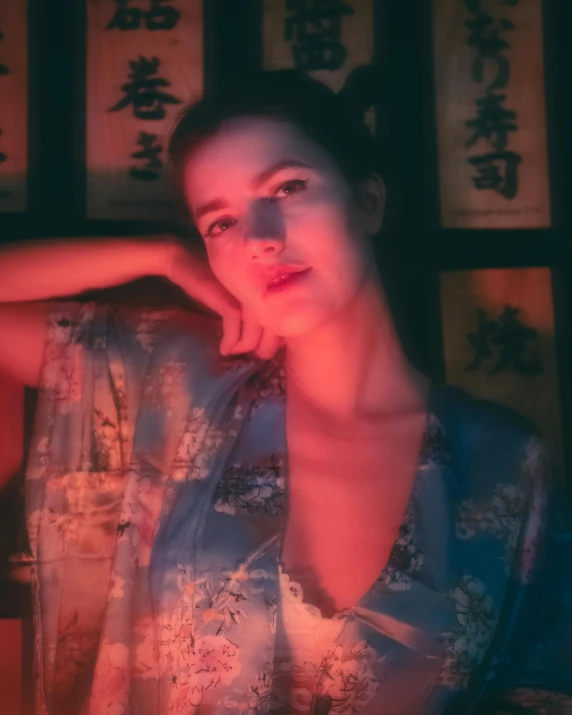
{"x": 266, "y": 229}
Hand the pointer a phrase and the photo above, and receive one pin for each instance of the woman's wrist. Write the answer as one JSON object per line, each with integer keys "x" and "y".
{"x": 169, "y": 253}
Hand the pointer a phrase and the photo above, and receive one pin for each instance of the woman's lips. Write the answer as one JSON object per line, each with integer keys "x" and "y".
{"x": 293, "y": 279}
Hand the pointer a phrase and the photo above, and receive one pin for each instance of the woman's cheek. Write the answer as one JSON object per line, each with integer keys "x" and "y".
{"x": 227, "y": 268}
{"x": 218, "y": 263}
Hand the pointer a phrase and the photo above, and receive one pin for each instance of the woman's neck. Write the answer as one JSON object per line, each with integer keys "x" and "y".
{"x": 352, "y": 371}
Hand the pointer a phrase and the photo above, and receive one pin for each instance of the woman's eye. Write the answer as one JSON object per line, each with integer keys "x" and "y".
{"x": 220, "y": 226}
{"x": 289, "y": 188}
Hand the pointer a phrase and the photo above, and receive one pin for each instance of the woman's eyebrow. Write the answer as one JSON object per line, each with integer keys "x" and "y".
{"x": 267, "y": 174}
{"x": 263, "y": 177}
{"x": 214, "y": 205}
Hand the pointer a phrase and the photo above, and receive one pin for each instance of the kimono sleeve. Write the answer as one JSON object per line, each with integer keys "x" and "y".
{"x": 95, "y": 359}
{"x": 529, "y": 667}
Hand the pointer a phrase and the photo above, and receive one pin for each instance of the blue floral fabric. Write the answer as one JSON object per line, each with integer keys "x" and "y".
{"x": 156, "y": 501}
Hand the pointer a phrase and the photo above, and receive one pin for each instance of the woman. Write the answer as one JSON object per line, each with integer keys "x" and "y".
{"x": 169, "y": 575}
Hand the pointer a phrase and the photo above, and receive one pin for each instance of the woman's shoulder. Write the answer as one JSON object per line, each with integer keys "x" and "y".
{"x": 464, "y": 413}
{"x": 487, "y": 443}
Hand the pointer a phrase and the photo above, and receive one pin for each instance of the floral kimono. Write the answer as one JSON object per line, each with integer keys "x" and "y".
{"x": 156, "y": 502}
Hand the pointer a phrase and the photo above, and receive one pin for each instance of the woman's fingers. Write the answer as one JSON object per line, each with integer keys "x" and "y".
{"x": 241, "y": 332}
{"x": 232, "y": 328}
{"x": 250, "y": 335}
{"x": 269, "y": 344}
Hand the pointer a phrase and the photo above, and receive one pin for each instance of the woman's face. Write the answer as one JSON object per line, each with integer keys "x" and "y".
{"x": 264, "y": 195}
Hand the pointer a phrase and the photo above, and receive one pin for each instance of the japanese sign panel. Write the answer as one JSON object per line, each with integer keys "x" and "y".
{"x": 145, "y": 64}
{"x": 499, "y": 342}
{"x": 491, "y": 117}
{"x": 326, "y": 38}
{"x": 13, "y": 104}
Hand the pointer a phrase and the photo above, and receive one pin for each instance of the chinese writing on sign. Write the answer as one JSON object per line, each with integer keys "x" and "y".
{"x": 488, "y": 37}
{"x": 145, "y": 93}
{"x": 4, "y": 70}
{"x": 150, "y": 151}
{"x": 503, "y": 340}
{"x": 314, "y": 30}
{"x": 158, "y": 17}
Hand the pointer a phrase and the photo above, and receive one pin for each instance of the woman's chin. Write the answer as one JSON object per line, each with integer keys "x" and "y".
{"x": 296, "y": 324}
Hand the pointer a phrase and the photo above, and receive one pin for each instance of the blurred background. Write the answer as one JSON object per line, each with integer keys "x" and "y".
{"x": 470, "y": 101}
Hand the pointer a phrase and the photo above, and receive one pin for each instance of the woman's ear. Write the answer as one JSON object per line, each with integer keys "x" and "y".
{"x": 371, "y": 203}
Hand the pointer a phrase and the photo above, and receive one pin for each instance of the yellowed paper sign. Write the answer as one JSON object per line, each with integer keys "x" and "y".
{"x": 145, "y": 64}
{"x": 499, "y": 343}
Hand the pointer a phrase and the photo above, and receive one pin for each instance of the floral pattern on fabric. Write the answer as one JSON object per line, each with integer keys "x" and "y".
{"x": 406, "y": 557}
{"x": 467, "y": 644}
{"x": 189, "y": 461}
{"x": 500, "y": 516}
{"x": 146, "y": 324}
{"x": 434, "y": 449}
{"x": 348, "y": 682}
{"x": 542, "y": 702}
{"x": 156, "y": 494}
{"x": 251, "y": 488}
{"x": 271, "y": 384}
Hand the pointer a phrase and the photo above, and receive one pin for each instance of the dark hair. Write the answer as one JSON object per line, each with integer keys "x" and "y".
{"x": 327, "y": 118}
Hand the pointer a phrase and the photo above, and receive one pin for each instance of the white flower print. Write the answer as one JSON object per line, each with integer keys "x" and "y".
{"x": 59, "y": 530}
{"x": 467, "y": 645}
{"x": 110, "y": 681}
{"x": 301, "y": 700}
{"x": 271, "y": 383}
{"x": 434, "y": 448}
{"x": 162, "y": 388}
{"x": 216, "y": 661}
{"x": 185, "y": 585}
{"x": 202, "y": 604}
{"x": 243, "y": 701}
{"x": 207, "y": 662}
{"x": 198, "y": 443}
{"x": 406, "y": 558}
{"x": 348, "y": 682}
{"x": 146, "y": 327}
{"x": 116, "y": 587}
{"x": 63, "y": 373}
{"x": 542, "y": 702}
{"x": 217, "y": 602}
{"x": 298, "y": 659}
{"x": 176, "y": 638}
{"x": 146, "y": 651}
{"x": 251, "y": 488}
{"x": 106, "y": 444}
{"x": 500, "y": 516}
{"x": 73, "y": 651}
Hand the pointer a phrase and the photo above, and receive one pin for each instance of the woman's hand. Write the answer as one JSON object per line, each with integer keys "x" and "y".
{"x": 241, "y": 332}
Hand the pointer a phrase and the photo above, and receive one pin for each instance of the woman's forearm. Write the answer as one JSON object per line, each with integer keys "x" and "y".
{"x": 55, "y": 268}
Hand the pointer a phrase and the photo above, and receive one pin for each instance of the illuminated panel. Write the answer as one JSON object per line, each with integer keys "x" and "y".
{"x": 328, "y": 40}
{"x": 491, "y": 117}
{"x": 13, "y": 104}
{"x": 144, "y": 64}
{"x": 499, "y": 342}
